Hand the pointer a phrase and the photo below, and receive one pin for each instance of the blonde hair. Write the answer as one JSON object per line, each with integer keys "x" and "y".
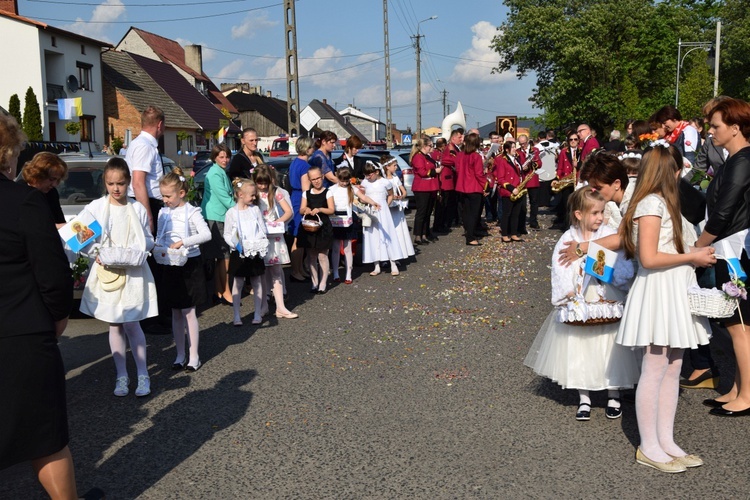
{"x": 239, "y": 183}
{"x": 11, "y": 140}
{"x": 583, "y": 201}
{"x": 657, "y": 176}
{"x": 175, "y": 178}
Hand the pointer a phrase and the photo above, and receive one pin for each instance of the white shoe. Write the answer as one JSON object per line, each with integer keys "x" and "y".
{"x": 121, "y": 386}
{"x": 144, "y": 386}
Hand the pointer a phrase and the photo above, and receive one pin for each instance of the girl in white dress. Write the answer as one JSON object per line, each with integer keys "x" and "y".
{"x": 182, "y": 225}
{"x": 245, "y": 233}
{"x": 389, "y": 165}
{"x": 343, "y": 195}
{"x": 276, "y": 207}
{"x": 122, "y": 302}
{"x": 380, "y": 238}
{"x": 657, "y": 314}
{"x": 585, "y": 357}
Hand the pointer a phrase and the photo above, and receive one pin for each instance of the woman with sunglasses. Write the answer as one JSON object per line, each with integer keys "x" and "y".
{"x": 569, "y": 160}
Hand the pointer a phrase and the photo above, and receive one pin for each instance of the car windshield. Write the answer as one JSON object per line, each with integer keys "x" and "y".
{"x": 84, "y": 184}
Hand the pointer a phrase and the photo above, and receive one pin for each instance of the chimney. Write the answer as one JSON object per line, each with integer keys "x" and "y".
{"x": 269, "y": 93}
{"x": 193, "y": 58}
{"x": 325, "y": 101}
{"x": 10, "y": 6}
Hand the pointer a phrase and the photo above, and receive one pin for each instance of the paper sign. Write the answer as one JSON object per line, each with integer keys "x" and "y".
{"x": 600, "y": 262}
{"x": 81, "y": 231}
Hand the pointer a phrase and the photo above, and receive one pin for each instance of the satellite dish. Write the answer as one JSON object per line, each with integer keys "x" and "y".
{"x": 73, "y": 84}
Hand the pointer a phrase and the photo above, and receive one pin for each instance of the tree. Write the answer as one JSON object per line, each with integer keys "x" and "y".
{"x": 735, "y": 46}
{"x": 32, "y": 117}
{"x": 600, "y": 61}
{"x": 14, "y": 107}
{"x": 697, "y": 86}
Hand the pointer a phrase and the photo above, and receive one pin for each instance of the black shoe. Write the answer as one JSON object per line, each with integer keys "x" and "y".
{"x": 224, "y": 301}
{"x": 417, "y": 242}
{"x": 322, "y": 292}
{"x": 194, "y": 368}
{"x": 707, "y": 380}
{"x": 432, "y": 237}
{"x": 613, "y": 412}
{"x": 729, "y": 413}
{"x": 713, "y": 403}
{"x": 179, "y": 366}
{"x": 583, "y": 414}
{"x": 313, "y": 290}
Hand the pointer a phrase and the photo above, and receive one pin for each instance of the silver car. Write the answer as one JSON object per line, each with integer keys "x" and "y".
{"x": 405, "y": 172}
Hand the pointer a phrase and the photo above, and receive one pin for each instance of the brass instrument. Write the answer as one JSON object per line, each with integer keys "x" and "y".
{"x": 567, "y": 181}
{"x": 521, "y": 189}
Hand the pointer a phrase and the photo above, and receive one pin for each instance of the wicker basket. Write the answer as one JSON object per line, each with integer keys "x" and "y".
{"x": 610, "y": 311}
{"x": 711, "y": 303}
{"x": 593, "y": 321}
{"x": 122, "y": 257}
{"x": 312, "y": 225}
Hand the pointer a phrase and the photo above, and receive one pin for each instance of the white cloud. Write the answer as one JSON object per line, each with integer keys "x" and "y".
{"x": 478, "y": 69}
{"x": 252, "y": 24}
{"x": 105, "y": 13}
{"x": 230, "y": 71}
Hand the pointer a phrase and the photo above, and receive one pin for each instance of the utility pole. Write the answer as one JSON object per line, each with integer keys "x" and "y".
{"x": 387, "y": 50}
{"x": 717, "y": 49}
{"x": 445, "y": 102}
{"x": 417, "y": 38}
{"x": 292, "y": 70}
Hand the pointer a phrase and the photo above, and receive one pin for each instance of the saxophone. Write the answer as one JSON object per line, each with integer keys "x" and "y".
{"x": 521, "y": 187}
{"x": 567, "y": 181}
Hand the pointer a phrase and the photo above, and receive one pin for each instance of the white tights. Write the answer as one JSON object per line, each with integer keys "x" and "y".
{"x": 259, "y": 297}
{"x": 315, "y": 257}
{"x": 118, "y": 346}
{"x": 186, "y": 321}
{"x": 656, "y": 402}
{"x": 275, "y": 277}
{"x": 348, "y": 257}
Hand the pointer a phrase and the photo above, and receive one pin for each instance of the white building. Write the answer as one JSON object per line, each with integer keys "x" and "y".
{"x": 371, "y": 127}
{"x": 56, "y": 64}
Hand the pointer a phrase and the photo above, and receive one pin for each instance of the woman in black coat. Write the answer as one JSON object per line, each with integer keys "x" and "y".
{"x": 35, "y": 300}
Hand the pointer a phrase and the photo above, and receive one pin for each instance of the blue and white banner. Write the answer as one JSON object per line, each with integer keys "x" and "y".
{"x": 600, "y": 262}
{"x": 80, "y": 232}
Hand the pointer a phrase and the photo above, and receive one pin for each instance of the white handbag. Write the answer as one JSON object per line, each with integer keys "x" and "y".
{"x": 170, "y": 256}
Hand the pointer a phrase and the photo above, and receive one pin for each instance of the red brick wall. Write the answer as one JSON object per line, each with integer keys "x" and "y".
{"x": 9, "y": 6}
{"x": 120, "y": 115}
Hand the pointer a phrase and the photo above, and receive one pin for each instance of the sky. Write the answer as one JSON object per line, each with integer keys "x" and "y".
{"x": 340, "y": 47}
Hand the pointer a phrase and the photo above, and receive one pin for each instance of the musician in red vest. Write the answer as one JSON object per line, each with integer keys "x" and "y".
{"x": 588, "y": 142}
{"x": 438, "y": 221}
{"x": 449, "y": 197}
{"x": 507, "y": 174}
{"x": 524, "y": 152}
{"x": 569, "y": 159}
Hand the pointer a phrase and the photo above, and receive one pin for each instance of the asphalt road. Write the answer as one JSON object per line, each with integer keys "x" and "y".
{"x": 392, "y": 387}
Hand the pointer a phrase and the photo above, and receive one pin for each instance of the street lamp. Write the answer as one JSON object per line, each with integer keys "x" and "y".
{"x": 419, "y": 76}
{"x": 695, "y": 46}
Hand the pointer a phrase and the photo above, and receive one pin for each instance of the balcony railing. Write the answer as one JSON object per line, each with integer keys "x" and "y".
{"x": 55, "y": 92}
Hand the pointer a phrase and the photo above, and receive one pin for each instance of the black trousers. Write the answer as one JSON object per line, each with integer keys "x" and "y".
{"x": 490, "y": 206}
{"x": 472, "y": 210}
{"x": 165, "y": 312}
{"x": 425, "y": 201}
{"x": 512, "y": 216}
{"x": 562, "y": 205}
{"x": 533, "y": 207}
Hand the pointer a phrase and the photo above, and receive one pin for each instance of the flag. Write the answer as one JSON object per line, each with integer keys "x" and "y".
{"x": 68, "y": 108}
{"x": 220, "y": 135}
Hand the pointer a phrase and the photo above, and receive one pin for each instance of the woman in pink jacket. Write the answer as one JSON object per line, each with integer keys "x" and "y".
{"x": 470, "y": 184}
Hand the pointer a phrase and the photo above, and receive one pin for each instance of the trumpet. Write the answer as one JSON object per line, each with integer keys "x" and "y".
{"x": 567, "y": 181}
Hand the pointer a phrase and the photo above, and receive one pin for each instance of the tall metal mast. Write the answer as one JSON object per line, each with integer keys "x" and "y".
{"x": 292, "y": 77}
{"x": 387, "y": 50}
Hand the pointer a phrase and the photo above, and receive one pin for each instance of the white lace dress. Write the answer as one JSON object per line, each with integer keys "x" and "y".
{"x": 399, "y": 222}
{"x": 278, "y": 253}
{"x": 657, "y": 311}
{"x": 583, "y": 357}
{"x": 380, "y": 243}
{"x": 136, "y": 300}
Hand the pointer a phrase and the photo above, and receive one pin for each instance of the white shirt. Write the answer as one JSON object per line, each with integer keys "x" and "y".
{"x": 172, "y": 228}
{"x": 143, "y": 155}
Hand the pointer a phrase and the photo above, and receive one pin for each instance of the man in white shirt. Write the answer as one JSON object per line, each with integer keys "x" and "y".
{"x": 145, "y": 163}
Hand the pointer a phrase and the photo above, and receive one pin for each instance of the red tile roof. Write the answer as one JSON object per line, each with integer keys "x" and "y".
{"x": 172, "y": 52}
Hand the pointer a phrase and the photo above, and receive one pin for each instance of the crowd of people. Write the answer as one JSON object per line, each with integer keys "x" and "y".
{"x": 634, "y": 328}
{"x": 631, "y": 198}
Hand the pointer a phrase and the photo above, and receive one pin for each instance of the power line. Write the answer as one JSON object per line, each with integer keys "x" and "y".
{"x": 100, "y": 4}
{"x": 475, "y": 61}
{"x": 306, "y": 58}
{"x": 205, "y": 16}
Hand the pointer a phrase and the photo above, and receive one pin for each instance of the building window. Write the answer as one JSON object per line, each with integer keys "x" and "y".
{"x": 54, "y": 41}
{"x": 84, "y": 75}
{"x": 87, "y": 128}
{"x": 83, "y": 49}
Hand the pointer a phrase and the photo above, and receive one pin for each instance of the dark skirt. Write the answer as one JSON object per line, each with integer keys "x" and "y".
{"x": 320, "y": 240}
{"x": 184, "y": 286}
{"x": 216, "y": 248}
{"x": 346, "y": 233}
{"x": 34, "y": 418}
{"x": 246, "y": 267}
{"x": 722, "y": 276}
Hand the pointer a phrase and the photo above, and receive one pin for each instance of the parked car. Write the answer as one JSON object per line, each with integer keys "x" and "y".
{"x": 279, "y": 163}
{"x": 201, "y": 160}
{"x": 404, "y": 171}
{"x": 85, "y": 182}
